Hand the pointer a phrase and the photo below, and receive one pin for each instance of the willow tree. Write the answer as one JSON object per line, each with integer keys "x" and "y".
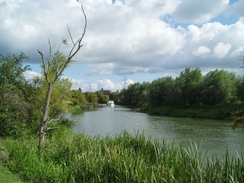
{"x": 53, "y": 67}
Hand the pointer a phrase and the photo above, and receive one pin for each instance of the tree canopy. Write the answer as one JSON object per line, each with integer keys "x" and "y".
{"x": 14, "y": 102}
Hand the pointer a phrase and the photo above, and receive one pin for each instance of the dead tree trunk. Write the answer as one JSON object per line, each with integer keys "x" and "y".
{"x": 44, "y": 120}
{"x": 53, "y": 67}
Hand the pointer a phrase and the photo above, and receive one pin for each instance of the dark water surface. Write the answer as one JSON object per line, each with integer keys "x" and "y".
{"x": 213, "y": 136}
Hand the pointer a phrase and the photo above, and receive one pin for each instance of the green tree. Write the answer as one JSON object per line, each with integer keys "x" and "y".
{"x": 136, "y": 95}
{"x": 116, "y": 97}
{"x": 240, "y": 88}
{"x": 189, "y": 82}
{"x": 143, "y": 96}
{"x": 92, "y": 98}
{"x": 61, "y": 95}
{"x": 131, "y": 97}
{"x": 174, "y": 93}
{"x": 127, "y": 95}
{"x": 78, "y": 99}
{"x": 219, "y": 87}
{"x": 102, "y": 98}
{"x": 159, "y": 91}
{"x": 13, "y": 104}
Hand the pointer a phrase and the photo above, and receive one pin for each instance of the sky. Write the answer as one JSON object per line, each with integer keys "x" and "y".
{"x": 126, "y": 41}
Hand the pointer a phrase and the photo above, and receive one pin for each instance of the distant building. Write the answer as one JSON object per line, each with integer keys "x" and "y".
{"x": 107, "y": 92}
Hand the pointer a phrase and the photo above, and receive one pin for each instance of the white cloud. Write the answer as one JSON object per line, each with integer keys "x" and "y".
{"x": 125, "y": 37}
{"x": 30, "y": 74}
{"x": 105, "y": 84}
{"x": 109, "y": 85}
{"x": 201, "y": 50}
{"x": 221, "y": 49}
{"x": 102, "y": 69}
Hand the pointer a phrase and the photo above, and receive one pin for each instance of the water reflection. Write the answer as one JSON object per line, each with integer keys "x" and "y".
{"x": 213, "y": 135}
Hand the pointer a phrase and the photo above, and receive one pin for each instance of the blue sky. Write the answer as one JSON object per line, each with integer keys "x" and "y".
{"x": 132, "y": 40}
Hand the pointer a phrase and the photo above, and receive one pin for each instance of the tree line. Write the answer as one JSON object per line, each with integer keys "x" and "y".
{"x": 190, "y": 89}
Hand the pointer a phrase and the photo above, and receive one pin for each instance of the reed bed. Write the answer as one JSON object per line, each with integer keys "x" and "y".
{"x": 68, "y": 157}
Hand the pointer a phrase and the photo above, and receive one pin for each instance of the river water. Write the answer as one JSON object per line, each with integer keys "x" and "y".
{"x": 214, "y": 136}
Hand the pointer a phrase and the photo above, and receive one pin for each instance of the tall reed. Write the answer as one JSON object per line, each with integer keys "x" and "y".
{"x": 68, "y": 157}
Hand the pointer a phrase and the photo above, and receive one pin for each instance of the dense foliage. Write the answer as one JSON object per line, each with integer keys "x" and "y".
{"x": 218, "y": 90}
{"x": 14, "y": 104}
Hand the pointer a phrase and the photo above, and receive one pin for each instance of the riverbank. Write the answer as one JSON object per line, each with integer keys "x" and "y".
{"x": 227, "y": 112}
{"x": 69, "y": 157}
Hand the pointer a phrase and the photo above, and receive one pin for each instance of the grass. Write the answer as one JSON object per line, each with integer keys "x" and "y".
{"x": 5, "y": 175}
{"x": 68, "y": 157}
{"x": 8, "y": 177}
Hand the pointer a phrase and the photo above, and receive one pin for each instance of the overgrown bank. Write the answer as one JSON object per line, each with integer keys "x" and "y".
{"x": 69, "y": 157}
{"x": 228, "y": 112}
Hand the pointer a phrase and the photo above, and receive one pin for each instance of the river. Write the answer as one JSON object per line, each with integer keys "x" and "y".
{"x": 214, "y": 136}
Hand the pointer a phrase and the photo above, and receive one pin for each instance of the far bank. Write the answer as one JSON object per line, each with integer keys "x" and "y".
{"x": 225, "y": 112}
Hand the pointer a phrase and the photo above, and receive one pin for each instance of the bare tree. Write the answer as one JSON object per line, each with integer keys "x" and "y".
{"x": 53, "y": 67}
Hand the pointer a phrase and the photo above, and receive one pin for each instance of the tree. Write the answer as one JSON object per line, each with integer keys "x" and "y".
{"x": 78, "y": 99}
{"x": 135, "y": 95}
{"x": 240, "y": 88}
{"x": 61, "y": 95}
{"x": 53, "y": 67}
{"x": 102, "y": 98}
{"x": 159, "y": 91}
{"x": 13, "y": 104}
{"x": 92, "y": 99}
{"x": 219, "y": 87}
{"x": 189, "y": 83}
{"x": 143, "y": 96}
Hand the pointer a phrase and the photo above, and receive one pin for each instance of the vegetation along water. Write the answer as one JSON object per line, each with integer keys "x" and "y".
{"x": 71, "y": 157}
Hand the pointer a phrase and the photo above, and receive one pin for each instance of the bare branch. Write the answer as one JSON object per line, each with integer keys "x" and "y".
{"x": 70, "y": 35}
{"x": 59, "y": 65}
{"x": 50, "y": 51}
{"x": 78, "y": 42}
{"x": 84, "y": 30}
{"x": 76, "y": 45}
{"x": 55, "y": 119}
{"x": 44, "y": 64}
{"x": 53, "y": 128}
{"x": 42, "y": 57}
